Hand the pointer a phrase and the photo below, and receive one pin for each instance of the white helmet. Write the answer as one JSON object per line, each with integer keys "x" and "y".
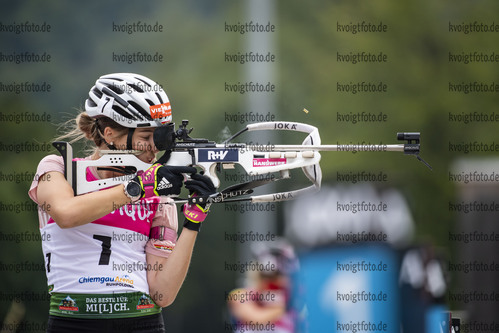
{"x": 129, "y": 99}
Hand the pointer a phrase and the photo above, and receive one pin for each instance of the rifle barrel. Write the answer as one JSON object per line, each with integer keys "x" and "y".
{"x": 338, "y": 147}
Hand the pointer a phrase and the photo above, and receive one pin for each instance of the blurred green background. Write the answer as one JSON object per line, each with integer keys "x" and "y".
{"x": 306, "y": 74}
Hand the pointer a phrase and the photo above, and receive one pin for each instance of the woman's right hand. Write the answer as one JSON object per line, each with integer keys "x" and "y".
{"x": 163, "y": 180}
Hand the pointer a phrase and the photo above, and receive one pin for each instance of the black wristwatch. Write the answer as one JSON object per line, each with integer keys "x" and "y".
{"x": 132, "y": 190}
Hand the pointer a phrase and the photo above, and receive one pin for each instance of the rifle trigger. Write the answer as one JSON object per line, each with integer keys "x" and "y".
{"x": 193, "y": 156}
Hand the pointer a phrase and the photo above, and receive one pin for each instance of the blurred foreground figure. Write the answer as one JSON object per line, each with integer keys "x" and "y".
{"x": 264, "y": 305}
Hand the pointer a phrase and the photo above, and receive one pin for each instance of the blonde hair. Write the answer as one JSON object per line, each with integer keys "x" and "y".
{"x": 84, "y": 126}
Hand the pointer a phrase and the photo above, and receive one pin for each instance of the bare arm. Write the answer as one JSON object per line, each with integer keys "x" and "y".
{"x": 167, "y": 275}
{"x": 164, "y": 285}
{"x": 69, "y": 210}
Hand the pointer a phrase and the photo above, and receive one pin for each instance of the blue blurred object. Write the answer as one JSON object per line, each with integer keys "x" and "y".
{"x": 348, "y": 288}
{"x": 438, "y": 320}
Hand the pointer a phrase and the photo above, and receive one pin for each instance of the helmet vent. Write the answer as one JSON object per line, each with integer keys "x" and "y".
{"x": 97, "y": 92}
{"x": 121, "y": 112}
{"x": 140, "y": 110}
{"x": 145, "y": 82}
{"x": 160, "y": 99}
{"x": 136, "y": 87}
{"x": 116, "y": 89}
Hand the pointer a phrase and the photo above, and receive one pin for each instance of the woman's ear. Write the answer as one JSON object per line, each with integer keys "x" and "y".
{"x": 108, "y": 134}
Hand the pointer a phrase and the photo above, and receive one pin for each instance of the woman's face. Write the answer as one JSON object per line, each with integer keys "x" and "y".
{"x": 142, "y": 140}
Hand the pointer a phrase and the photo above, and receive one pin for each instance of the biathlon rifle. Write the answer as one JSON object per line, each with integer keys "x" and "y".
{"x": 182, "y": 150}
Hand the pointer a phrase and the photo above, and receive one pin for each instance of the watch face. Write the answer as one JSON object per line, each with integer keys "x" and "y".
{"x": 133, "y": 189}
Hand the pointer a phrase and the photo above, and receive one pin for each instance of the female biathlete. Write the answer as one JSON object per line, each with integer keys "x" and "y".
{"x": 112, "y": 256}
